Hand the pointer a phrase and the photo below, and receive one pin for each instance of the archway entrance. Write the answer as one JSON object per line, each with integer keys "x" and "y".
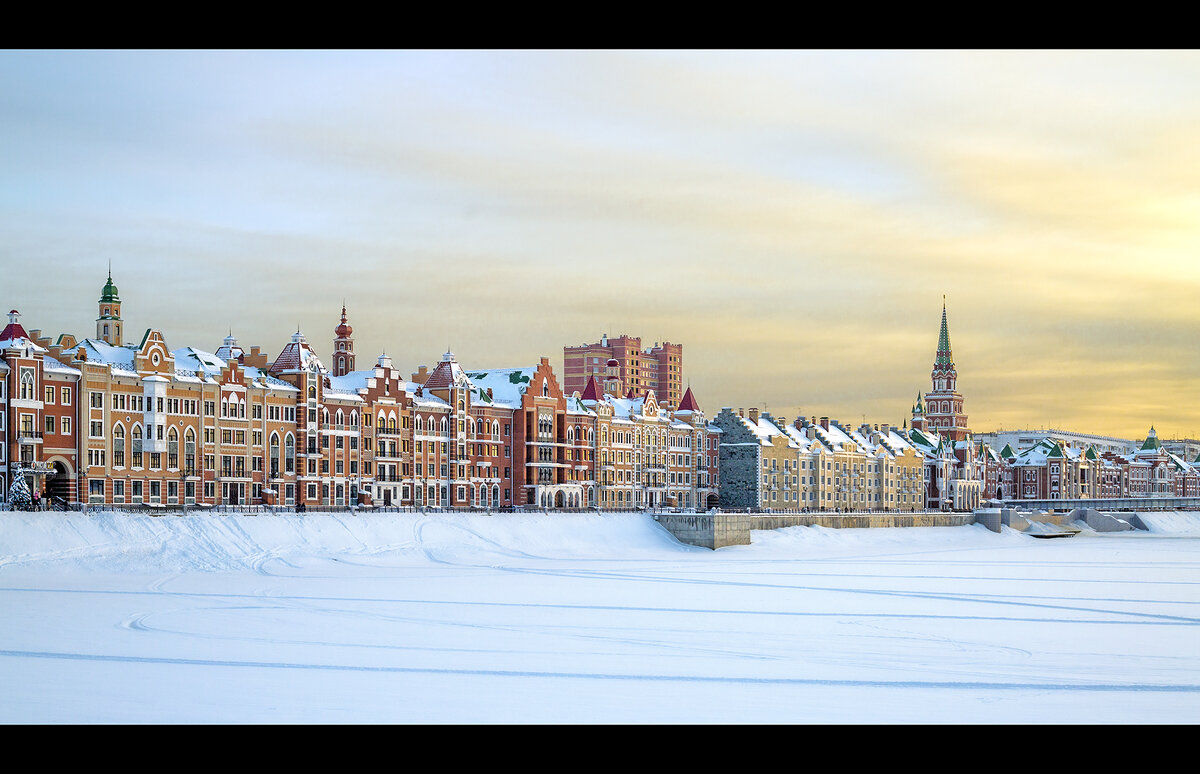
{"x": 58, "y": 485}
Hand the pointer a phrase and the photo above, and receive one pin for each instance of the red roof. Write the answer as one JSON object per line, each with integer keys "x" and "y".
{"x": 591, "y": 391}
{"x": 689, "y": 402}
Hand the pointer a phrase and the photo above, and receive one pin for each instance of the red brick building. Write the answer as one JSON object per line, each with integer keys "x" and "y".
{"x": 659, "y": 368}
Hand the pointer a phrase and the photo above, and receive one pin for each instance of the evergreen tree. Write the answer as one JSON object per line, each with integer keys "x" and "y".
{"x": 19, "y": 498}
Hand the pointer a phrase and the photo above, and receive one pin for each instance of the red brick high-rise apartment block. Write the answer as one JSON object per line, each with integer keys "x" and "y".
{"x": 659, "y": 368}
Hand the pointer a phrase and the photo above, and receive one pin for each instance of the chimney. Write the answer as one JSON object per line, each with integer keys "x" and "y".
{"x": 885, "y": 428}
{"x": 741, "y": 413}
{"x": 754, "y": 414}
{"x": 489, "y": 392}
{"x": 825, "y": 423}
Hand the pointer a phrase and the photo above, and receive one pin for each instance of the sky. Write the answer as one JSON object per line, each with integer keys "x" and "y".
{"x": 793, "y": 218}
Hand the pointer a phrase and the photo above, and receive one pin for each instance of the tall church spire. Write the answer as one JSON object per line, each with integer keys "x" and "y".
{"x": 944, "y": 404}
{"x": 945, "y": 358}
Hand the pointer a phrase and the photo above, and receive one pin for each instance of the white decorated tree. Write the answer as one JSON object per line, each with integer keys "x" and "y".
{"x": 19, "y": 498}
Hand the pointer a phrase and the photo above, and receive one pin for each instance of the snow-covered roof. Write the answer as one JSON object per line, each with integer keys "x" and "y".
{"x": 52, "y": 366}
{"x": 297, "y": 356}
{"x": 189, "y": 361}
{"x": 118, "y": 359}
{"x": 508, "y": 385}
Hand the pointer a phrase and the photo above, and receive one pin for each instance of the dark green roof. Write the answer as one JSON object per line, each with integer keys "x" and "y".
{"x": 109, "y": 293}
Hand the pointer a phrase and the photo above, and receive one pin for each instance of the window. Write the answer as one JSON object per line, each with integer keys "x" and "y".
{"x": 65, "y": 396}
{"x": 50, "y": 422}
{"x": 137, "y": 446}
{"x": 49, "y": 394}
{"x": 119, "y": 446}
{"x": 27, "y": 384}
{"x": 64, "y": 427}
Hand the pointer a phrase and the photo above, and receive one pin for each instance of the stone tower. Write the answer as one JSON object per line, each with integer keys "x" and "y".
{"x": 944, "y": 404}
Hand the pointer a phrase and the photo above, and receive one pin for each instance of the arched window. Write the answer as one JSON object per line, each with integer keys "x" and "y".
{"x": 443, "y": 425}
{"x": 354, "y": 419}
{"x": 27, "y": 384}
{"x": 189, "y": 452}
{"x": 289, "y": 453}
{"x": 495, "y": 431}
{"x": 118, "y": 451}
{"x": 137, "y": 446}
{"x": 546, "y": 389}
{"x": 172, "y": 449}
{"x": 340, "y": 419}
{"x": 274, "y": 455}
{"x": 312, "y": 391}
{"x": 420, "y": 424}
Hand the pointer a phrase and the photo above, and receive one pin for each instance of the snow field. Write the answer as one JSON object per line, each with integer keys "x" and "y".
{"x": 588, "y": 618}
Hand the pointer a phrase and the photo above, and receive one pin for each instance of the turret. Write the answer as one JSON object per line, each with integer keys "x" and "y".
{"x": 108, "y": 323}
{"x": 343, "y": 347}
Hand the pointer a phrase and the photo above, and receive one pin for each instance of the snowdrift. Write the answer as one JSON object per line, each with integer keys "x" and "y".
{"x": 127, "y": 542}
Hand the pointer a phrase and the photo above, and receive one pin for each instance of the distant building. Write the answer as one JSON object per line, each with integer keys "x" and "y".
{"x": 659, "y": 368}
{"x": 1025, "y": 439}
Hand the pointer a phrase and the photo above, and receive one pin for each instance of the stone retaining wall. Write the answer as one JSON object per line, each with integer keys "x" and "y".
{"x": 715, "y": 530}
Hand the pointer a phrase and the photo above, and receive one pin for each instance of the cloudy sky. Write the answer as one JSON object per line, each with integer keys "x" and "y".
{"x": 792, "y": 218}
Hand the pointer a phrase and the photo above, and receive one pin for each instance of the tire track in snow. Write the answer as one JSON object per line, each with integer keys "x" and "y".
{"x": 1169, "y": 621}
{"x": 645, "y": 677}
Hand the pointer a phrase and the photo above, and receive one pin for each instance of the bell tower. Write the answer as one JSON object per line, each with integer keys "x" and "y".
{"x": 343, "y": 347}
{"x": 108, "y": 323}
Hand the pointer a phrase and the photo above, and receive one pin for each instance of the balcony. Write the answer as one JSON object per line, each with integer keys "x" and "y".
{"x": 29, "y": 436}
{"x": 389, "y": 431}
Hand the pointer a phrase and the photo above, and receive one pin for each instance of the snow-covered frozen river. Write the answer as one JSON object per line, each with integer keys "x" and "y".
{"x": 320, "y": 618}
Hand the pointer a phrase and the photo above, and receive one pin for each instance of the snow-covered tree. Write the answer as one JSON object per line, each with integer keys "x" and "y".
{"x": 19, "y": 498}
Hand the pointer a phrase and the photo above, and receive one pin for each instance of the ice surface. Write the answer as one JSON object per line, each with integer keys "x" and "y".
{"x": 340, "y": 618}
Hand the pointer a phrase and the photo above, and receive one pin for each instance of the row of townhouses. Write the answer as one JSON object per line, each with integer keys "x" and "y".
{"x": 767, "y": 463}
{"x": 99, "y": 420}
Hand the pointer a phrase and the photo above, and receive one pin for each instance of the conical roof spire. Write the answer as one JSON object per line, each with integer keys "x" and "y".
{"x": 945, "y": 359}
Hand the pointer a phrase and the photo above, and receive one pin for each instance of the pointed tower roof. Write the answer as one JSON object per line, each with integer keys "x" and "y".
{"x": 343, "y": 331}
{"x": 229, "y": 350}
{"x": 14, "y": 329}
{"x": 945, "y": 359}
{"x": 688, "y": 403}
{"x": 1152, "y": 443}
{"x": 447, "y": 374}
{"x": 919, "y": 408}
{"x": 109, "y": 292}
{"x": 592, "y": 390}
